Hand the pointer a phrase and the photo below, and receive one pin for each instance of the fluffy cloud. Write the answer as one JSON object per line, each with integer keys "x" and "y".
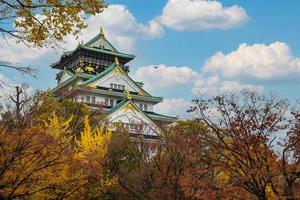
{"x": 120, "y": 27}
{"x": 173, "y": 107}
{"x": 258, "y": 61}
{"x": 162, "y": 76}
{"x": 250, "y": 67}
{"x": 13, "y": 52}
{"x": 215, "y": 85}
{"x": 166, "y": 77}
{"x": 201, "y": 14}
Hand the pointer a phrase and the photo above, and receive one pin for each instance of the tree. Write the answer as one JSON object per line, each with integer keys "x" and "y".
{"x": 174, "y": 159}
{"x": 290, "y": 160}
{"x": 244, "y": 129}
{"x": 40, "y": 159}
{"x": 44, "y": 104}
{"x": 126, "y": 162}
{"x": 37, "y": 163}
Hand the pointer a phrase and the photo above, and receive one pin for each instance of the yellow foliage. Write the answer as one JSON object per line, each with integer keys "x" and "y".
{"x": 93, "y": 141}
{"x": 223, "y": 177}
{"x": 57, "y": 127}
{"x": 270, "y": 193}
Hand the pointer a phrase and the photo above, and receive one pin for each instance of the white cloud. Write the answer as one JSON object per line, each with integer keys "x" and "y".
{"x": 214, "y": 85}
{"x": 173, "y": 107}
{"x": 19, "y": 53}
{"x": 120, "y": 26}
{"x": 162, "y": 76}
{"x": 201, "y": 14}
{"x": 251, "y": 67}
{"x": 258, "y": 61}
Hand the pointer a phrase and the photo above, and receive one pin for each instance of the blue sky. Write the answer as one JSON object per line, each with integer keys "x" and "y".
{"x": 258, "y": 44}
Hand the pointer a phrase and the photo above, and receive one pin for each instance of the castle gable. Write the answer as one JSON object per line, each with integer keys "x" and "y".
{"x": 127, "y": 113}
{"x": 100, "y": 42}
{"x": 115, "y": 78}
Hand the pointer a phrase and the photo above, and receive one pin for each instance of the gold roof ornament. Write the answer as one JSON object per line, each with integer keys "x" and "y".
{"x": 117, "y": 61}
{"x": 141, "y": 94}
{"x": 117, "y": 71}
{"x": 78, "y": 70}
{"x": 89, "y": 69}
{"x": 130, "y": 107}
{"x": 101, "y": 32}
{"x": 128, "y": 95}
{"x": 92, "y": 85}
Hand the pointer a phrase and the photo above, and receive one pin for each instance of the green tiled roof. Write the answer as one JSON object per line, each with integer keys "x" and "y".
{"x": 157, "y": 116}
{"x": 69, "y": 53}
{"x": 69, "y": 73}
{"x": 148, "y": 114}
{"x": 66, "y": 82}
{"x": 116, "y": 107}
{"x": 152, "y": 99}
{"x": 81, "y": 74}
{"x": 74, "y": 77}
{"x": 108, "y": 52}
{"x": 124, "y": 102}
{"x": 90, "y": 78}
{"x": 139, "y": 83}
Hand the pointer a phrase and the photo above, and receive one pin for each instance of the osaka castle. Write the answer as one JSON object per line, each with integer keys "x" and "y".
{"x": 97, "y": 74}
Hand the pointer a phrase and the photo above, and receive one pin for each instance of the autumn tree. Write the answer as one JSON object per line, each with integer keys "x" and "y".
{"x": 44, "y": 105}
{"x": 174, "y": 157}
{"x": 40, "y": 159}
{"x": 126, "y": 161}
{"x": 160, "y": 176}
{"x": 244, "y": 128}
{"x": 44, "y": 22}
{"x": 37, "y": 162}
{"x": 290, "y": 160}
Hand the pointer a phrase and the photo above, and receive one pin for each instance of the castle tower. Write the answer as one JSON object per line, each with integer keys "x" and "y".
{"x": 97, "y": 74}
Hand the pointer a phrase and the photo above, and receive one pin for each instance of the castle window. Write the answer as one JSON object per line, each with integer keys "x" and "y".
{"x": 141, "y": 106}
{"x": 106, "y": 102}
{"x": 145, "y": 107}
{"x": 126, "y": 125}
{"x": 88, "y": 99}
{"x": 93, "y": 100}
{"x": 131, "y": 126}
{"x": 119, "y": 87}
{"x": 111, "y": 102}
{"x": 111, "y": 85}
{"x": 123, "y": 87}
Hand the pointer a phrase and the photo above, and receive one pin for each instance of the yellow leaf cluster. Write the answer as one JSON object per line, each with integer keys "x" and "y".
{"x": 223, "y": 177}
{"x": 57, "y": 127}
{"x": 55, "y": 20}
{"x": 93, "y": 141}
{"x": 270, "y": 193}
